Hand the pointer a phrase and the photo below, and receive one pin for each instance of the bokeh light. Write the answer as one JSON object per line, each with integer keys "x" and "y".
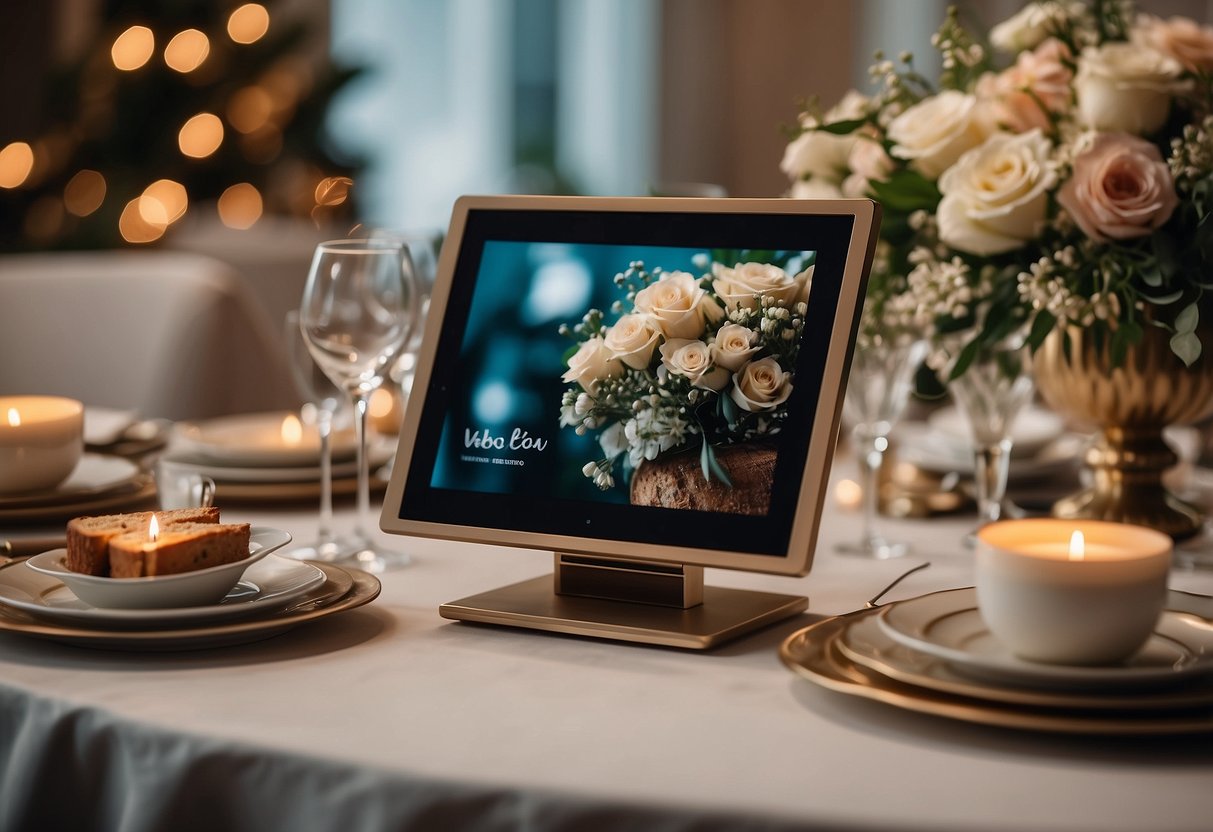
{"x": 187, "y": 50}
{"x": 16, "y": 162}
{"x": 163, "y": 202}
{"x": 333, "y": 190}
{"x": 44, "y": 220}
{"x": 134, "y": 228}
{"x": 248, "y": 23}
{"x": 201, "y": 135}
{"x": 133, "y": 48}
{"x": 249, "y": 109}
{"x": 84, "y": 193}
{"x": 240, "y": 206}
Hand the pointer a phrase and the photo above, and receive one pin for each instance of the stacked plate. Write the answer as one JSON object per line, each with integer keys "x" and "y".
{"x": 268, "y": 457}
{"x": 98, "y": 485}
{"x": 934, "y": 655}
{"x": 273, "y": 595}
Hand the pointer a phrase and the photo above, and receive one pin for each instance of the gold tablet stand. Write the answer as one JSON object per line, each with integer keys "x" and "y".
{"x": 643, "y": 601}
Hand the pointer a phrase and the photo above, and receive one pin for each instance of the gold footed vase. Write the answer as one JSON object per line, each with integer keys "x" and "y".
{"x": 1130, "y": 405}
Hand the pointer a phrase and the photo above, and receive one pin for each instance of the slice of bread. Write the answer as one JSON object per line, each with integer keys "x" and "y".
{"x": 181, "y": 547}
{"x": 88, "y": 537}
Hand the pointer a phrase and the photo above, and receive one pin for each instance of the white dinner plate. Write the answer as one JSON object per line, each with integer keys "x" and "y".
{"x": 929, "y": 449}
{"x": 866, "y": 643}
{"x": 254, "y": 440}
{"x": 268, "y": 584}
{"x": 93, "y": 476}
{"x": 1033, "y": 429}
{"x": 947, "y": 625}
{"x": 379, "y": 452}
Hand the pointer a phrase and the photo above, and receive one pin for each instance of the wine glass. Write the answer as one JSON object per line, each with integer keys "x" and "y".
{"x": 423, "y": 250}
{"x": 878, "y": 390}
{"x": 359, "y": 308}
{"x": 324, "y": 399}
{"x": 991, "y": 393}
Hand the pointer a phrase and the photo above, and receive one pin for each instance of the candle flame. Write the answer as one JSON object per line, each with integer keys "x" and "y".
{"x": 14, "y": 418}
{"x": 1078, "y": 546}
{"x": 292, "y": 430}
{"x": 153, "y": 530}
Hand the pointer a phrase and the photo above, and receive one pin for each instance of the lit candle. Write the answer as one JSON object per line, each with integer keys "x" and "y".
{"x": 1071, "y": 591}
{"x": 292, "y": 431}
{"x": 41, "y": 440}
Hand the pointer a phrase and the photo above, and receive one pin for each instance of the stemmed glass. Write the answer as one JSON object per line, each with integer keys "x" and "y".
{"x": 358, "y": 310}
{"x": 990, "y": 393}
{"x": 877, "y": 393}
{"x": 423, "y": 250}
{"x": 325, "y": 399}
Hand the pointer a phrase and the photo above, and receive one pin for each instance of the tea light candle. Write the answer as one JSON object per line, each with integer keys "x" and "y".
{"x": 41, "y": 440}
{"x": 1071, "y": 591}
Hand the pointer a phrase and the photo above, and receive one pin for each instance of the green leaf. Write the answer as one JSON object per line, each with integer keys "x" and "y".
{"x": 1187, "y": 346}
{"x": 711, "y": 466}
{"x": 728, "y": 409}
{"x": 843, "y": 128}
{"x": 905, "y": 191}
{"x": 1186, "y": 321}
{"x": 964, "y": 359}
{"x": 1152, "y": 275}
{"x": 1163, "y": 300}
{"x": 1041, "y": 327}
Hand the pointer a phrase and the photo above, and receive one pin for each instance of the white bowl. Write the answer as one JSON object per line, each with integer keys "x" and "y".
{"x": 187, "y": 589}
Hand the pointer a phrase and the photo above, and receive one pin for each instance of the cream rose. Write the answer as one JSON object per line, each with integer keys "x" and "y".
{"x": 1031, "y": 25}
{"x": 761, "y": 385}
{"x": 733, "y": 346}
{"x": 746, "y": 284}
{"x": 1125, "y": 87}
{"x": 818, "y": 154}
{"x": 936, "y": 131}
{"x": 678, "y": 305}
{"x": 693, "y": 359}
{"x": 995, "y": 197}
{"x": 632, "y": 341}
{"x": 1180, "y": 38}
{"x": 591, "y": 364}
{"x": 1120, "y": 188}
{"x": 814, "y": 189}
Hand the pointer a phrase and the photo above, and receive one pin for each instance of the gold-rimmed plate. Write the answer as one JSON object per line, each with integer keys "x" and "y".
{"x": 813, "y": 654}
{"x": 867, "y": 645}
{"x": 343, "y": 589}
{"x": 139, "y": 493}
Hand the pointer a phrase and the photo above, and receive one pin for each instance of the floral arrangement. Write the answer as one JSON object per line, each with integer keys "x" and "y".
{"x": 1060, "y": 175}
{"x": 688, "y": 360}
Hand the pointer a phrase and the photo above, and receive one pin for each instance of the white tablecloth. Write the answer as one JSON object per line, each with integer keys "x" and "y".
{"x": 391, "y": 717}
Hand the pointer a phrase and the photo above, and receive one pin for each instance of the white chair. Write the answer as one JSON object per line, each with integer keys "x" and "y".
{"x": 167, "y": 334}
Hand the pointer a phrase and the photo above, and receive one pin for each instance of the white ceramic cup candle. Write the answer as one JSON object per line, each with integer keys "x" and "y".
{"x": 1080, "y": 592}
{"x": 41, "y": 440}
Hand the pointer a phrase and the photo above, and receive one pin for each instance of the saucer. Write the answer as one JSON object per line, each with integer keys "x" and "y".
{"x": 255, "y": 440}
{"x": 160, "y": 592}
{"x": 266, "y": 585}
{"x": 94, "y": 475}
{"x": 947, "y": 625}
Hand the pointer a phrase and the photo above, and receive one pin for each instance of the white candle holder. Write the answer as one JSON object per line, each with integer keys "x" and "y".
{"x": 41, "y": 440}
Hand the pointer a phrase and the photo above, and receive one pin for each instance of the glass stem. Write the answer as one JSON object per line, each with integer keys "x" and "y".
{"x": 992, "y": 467}
{"x": 324, "y": 426}
{"x": 871, "y": 455}
{"x": 361, "y": 406}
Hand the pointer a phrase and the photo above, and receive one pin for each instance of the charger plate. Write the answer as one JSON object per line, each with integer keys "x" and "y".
{"x": 813, "y": 654}
{"x": 343, "y": 589}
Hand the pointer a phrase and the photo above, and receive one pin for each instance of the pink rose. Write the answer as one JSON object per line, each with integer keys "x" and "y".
{"x": 1182, "y": 39}
{"x": 1038, "y": 78}
{"x": 1120, "y": 188}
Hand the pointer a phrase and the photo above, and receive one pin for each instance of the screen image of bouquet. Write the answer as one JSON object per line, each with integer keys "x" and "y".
{"x": 685, "y": 380}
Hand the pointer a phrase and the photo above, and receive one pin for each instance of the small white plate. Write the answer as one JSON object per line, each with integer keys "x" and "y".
{"x": 378, "y": 452}
{"x": 931, "y": 450}
{"x": 255, "y": 440}
{"x": 266, "y": 585}
{"x": 94, "y": 474}
{"x": 160, "y": 592}
{"x": 947, "y": 625}
{"x": 1033, "y": 429}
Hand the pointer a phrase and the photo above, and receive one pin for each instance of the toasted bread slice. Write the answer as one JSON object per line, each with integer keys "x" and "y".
{"x": 88, "y": 537}
{"x": 182, "y": 547}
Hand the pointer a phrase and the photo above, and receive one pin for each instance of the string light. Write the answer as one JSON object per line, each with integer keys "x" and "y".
{"x": 201, "y": 135}
{"x": 133, "y": 48}
{"x": 134, "y": 228}
{"x": 249, "y": 109}
{"x": 240, "y": 206}
{"x": 333, "y": 190}
{"x": 163, "y": 202}
{"x": 84, "y": 193}
{"x": 248, "y": 23}
{"x": 187, "y": 50}
{"x": 16, "y": 162}
{"x": 44, "y": 219}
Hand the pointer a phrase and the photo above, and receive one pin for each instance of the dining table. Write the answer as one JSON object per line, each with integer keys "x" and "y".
{"x": 390, "y": 717}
